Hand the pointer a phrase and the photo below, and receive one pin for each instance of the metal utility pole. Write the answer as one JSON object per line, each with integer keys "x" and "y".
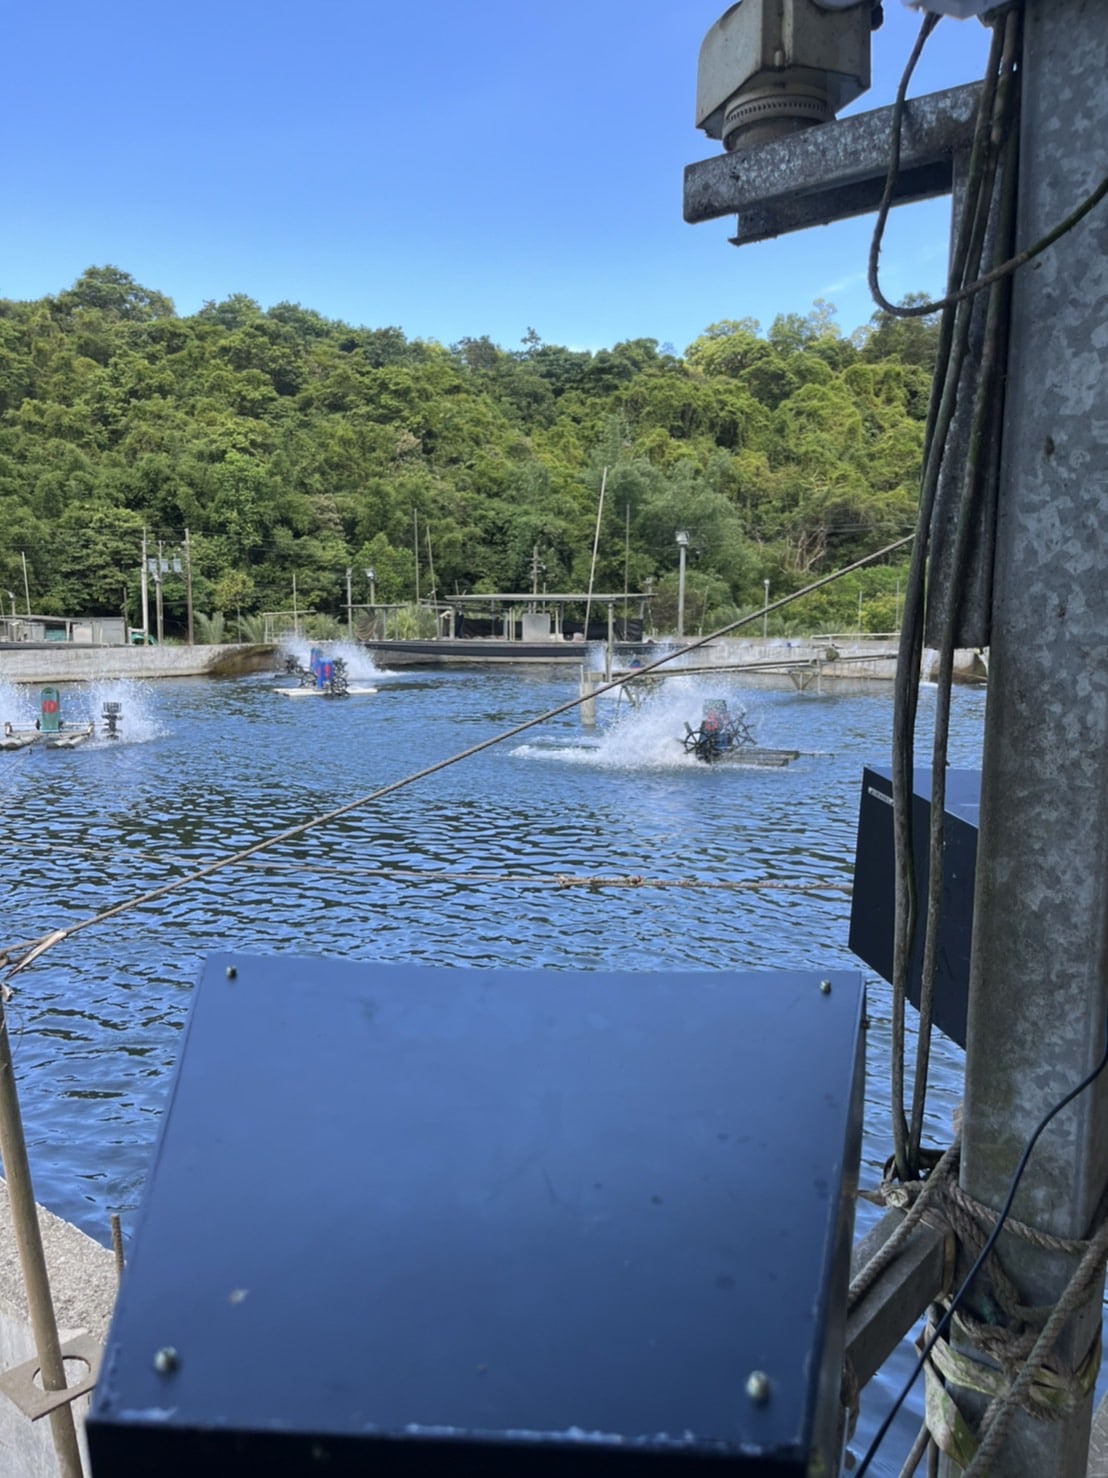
{"x": 26, "y": 585}
{"x": 1038, "y": 998}
{"x": 595, "y": 549}
{"x": 430, "y": 563}
{"x": 1038, "y": 991}
{"x": 682, "y": 546}
{"x": 188, "y": 583}
{"x": 158, "y": 592}
{"x": 349, "y": 604}
{"x": 145, "y": 595}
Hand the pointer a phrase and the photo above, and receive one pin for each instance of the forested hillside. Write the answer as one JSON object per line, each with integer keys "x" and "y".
{"x": 291, "y": 446}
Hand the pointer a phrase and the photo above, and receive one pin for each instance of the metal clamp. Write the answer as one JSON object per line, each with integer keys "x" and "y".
{"x": 20, "y": 1384}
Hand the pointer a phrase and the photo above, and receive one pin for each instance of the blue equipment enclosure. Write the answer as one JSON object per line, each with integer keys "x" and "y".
{"x": 873, "y": 901}
{"x": 413, "y": 1219}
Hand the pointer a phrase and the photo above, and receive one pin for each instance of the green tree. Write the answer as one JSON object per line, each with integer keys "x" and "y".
{"x": 116, "y": 294}
{"x": 295, "y": 446}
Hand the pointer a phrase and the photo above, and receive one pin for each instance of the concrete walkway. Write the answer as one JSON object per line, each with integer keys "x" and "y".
{"x": 83, "y": 1284}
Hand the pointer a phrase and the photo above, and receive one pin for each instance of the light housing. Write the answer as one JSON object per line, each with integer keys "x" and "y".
{"x": 768, "y": 68}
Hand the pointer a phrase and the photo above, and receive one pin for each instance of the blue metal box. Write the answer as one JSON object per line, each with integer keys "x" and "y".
{"x": 873, "y": 903}
{"x": 426, "y": 1220}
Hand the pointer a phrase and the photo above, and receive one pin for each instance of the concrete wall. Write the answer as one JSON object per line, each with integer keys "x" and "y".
{"x": 856, "y": 659}
{"x": 55, "y": 662}
{"x": 83, "y": 1284}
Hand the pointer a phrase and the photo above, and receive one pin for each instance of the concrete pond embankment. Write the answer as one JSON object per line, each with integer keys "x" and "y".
{"x": 811, "y": 664}
{"x": 82, "y": 662}
{"x": 83, "y": 1282}
{"x": 838, "y": 663}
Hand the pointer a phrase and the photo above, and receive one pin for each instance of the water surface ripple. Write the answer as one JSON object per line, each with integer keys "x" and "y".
{"x": 210, "y": 767}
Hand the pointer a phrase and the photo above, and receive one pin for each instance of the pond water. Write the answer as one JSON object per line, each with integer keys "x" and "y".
{"x": 460, "y": 868}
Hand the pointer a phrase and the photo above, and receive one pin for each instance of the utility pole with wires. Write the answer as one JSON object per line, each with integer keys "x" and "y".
{"x": 1009, "y": 554}
{"x": 188, "y": 584}
{"x": 144, "y": 586}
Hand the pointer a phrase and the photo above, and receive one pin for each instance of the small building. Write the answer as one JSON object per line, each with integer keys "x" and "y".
{"x": 106, "y": 631}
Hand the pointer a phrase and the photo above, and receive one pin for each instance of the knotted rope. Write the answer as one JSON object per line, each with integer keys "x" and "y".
{"x": 1011, "y": 1357}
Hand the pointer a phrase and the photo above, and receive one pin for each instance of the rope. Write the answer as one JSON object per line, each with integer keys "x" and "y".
{"x": 917, "y": 1197}
{"x": 1000, "y": 1413}
{"x": 1015, "y": 1338}
{"x": 987, "y": 1217}
{"x": 18, "y": 957}
{"x": 563, "y": 880}
{"x": 559, "y": 881}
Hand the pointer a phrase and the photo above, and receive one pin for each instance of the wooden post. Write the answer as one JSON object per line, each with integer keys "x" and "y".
{"x": 900, "y": 1295}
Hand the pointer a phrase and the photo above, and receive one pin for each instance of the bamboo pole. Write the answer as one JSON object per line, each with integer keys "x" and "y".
{"x": 13, "y": 1148}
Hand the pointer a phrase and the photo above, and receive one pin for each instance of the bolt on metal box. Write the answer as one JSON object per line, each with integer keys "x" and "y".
{"x": 873, "y": 903}
{"x": 431, "y": 1220}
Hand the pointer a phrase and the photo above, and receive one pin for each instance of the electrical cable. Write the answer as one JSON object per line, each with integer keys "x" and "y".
{"x": 990, "y": 1242}
{"x": 953, "y": 348}
{"x": 1005, "y": 269}
{"x": 996, "y": 200}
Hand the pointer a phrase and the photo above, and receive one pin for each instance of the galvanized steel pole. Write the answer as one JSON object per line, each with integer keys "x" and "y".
{"x": 1039, "y": 995}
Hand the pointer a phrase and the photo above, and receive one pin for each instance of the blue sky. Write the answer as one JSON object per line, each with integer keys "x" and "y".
{"x": 454, "y": 170}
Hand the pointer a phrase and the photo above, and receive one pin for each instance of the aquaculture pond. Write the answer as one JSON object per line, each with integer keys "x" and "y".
{"x": 521, "y": 855}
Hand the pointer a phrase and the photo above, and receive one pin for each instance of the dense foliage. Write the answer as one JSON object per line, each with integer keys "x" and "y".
{"x": 293, "y": 448}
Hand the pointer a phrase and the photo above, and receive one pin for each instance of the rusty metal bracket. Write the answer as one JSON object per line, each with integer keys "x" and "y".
{"x": 20, "y": 1383}
{"x": 835, "y": 171}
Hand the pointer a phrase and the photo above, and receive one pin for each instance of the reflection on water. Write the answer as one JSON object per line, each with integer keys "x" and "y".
{"x": 209, "y": 767}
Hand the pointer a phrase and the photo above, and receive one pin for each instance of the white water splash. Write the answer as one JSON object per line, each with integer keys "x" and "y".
{"x": 649, "y": 735}
{"x": 139, "y": 719}
{"x": 359, "y": 664}
{"x": 19, "y": 704}
{"x": 83, "y": 703}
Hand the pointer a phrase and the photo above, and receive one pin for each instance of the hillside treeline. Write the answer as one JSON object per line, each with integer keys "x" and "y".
{"x": 294, "y": 448}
